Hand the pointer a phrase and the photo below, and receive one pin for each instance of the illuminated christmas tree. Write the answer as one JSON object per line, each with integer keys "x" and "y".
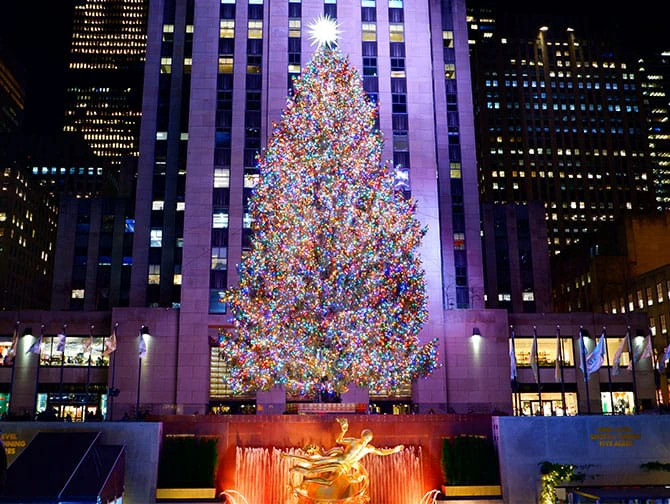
{"x": 332, "y": 292}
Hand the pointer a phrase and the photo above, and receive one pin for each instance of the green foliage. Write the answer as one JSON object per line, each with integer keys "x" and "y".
{"x": 553, "y": 475}
{"x": 655, "y": 466}
{"x": 188, "y": 462}
{"x": 469, "y": 460}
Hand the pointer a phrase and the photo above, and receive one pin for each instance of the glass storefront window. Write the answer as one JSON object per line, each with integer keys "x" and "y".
{"x": 4, "y": 403}
{"x": 4, "y": 352}
{"x": 528, "y": 404}
{"x": 75, "y": 354}
{"x": 624, "y": 403}
{"x": 546, "y": 351}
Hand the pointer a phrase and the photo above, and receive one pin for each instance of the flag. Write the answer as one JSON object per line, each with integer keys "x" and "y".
{"x": 142, "y": 347}
{"x": 666, "y": 356}
{"x": 616, "y": 369}
{"x": 512, "y": 359}
{"x": 36, "y": 347}
{"x": 533, "y": 357}
{"x": 595, "y": 359}
{"x": 110, "y": 344}
{"x": 12, "y": 349}
{"x": 88, "y": 344}
{"x": 646, "y": 353}
{"x": 60, "y": 347}
{"x": 559, "y": 357}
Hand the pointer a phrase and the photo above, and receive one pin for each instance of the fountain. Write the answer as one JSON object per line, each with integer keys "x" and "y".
{"x": 315, "y": 476}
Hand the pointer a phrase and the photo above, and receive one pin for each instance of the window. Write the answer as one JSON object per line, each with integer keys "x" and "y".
{"x": 156, "y": 238}
{"x": 552, "y": 404}
{"x": 640, "y": 300}
{"x": 227, "y": 28}
{"x": 221, "y": 178}
{"x": 219, "y": 220}
{"x": 154, "y": 274}
{"x": 77, "y": 351}
{"x": 650, "y": 298}
{"x": 528, "y": 296}
{"x": 659, "y": 292}
{"x": 255, "y": 29}
{"x": 219, "y": 258}
{"x": 397, "y": 32}
{"x": 369, "y": 32}
{"x": 546, "y": 351}
{"x": 225, "y": 65}
{"x": 77, "y": 294}
{"x": 664, "y": 325}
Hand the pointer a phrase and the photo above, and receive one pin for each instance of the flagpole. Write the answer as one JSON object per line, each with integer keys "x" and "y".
{"x": 631, "y": 353}
{"x": 560, "y": 363}
{"x": 654, "y": 368}
{"x": 110, "y": 395}
{"x": 515, "y": 382}
{"x": 537, "y": 365}
{"x": 585, "y": 371}
{"x": 609, "y": 369}
{"x": 37, "y": 373}
{"x": 88, "y": 367}
{"x": 62, "y": 367}
{"x": 139, "y": 383}
{"x": 15, "y": 343}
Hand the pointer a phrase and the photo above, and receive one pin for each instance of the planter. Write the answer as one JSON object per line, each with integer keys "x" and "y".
{"x": 472, "y": 491}
{"x": 185, "y": 493}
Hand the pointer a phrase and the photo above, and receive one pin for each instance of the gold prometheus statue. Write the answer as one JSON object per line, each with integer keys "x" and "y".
{"x": 335, "y": 476}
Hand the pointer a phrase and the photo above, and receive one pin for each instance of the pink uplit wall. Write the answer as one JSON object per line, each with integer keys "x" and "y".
{"x": 283, "y": 431}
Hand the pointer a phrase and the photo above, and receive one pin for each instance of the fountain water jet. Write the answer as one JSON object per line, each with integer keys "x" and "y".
{"x": 262, "y": 476}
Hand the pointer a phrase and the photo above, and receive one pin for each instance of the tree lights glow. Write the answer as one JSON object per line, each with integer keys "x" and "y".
{"x": 332, "y": 292}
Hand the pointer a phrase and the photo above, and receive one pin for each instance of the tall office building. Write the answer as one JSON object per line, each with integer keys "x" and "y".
{"x": 655, "y": 72}
{"x": 217, "y": 75}
{"x": 12, "y": 94}
{"x": 560, "y": 119}
{"x": 104, "y": 77}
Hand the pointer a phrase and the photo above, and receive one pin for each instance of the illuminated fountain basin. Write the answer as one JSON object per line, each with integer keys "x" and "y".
{"x": 262, "y": 476}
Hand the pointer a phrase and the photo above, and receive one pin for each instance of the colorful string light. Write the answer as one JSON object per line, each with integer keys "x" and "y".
{"x": 332, "y": 292}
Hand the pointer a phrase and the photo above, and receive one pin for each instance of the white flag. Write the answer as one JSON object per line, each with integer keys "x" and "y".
{"x": 512, "y": 360}
{"x": 666, "y": 356}
{"x": 36, "y": 347}
{"x": 60, "y": 346}
{"x": 88, "y": 344}
{"x": 559, "y": 358}
{"x": 12, "y": 349}
{"x": 142, "y": 348}
{"x": 595, "y": 359}
{"x": 533, "y": 358}
{"x": 110, "y": 345}
{"x": 646, "y": 353}
{"x": 616, "y": 364}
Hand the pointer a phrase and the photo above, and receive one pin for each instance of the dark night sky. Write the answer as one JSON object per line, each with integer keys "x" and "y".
{"x": 38, "y": 33}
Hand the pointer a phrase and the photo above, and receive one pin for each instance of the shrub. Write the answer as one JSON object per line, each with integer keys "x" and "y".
{"x": 188, "y": 462}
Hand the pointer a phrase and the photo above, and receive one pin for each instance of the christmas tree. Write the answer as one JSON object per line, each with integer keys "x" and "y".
{"x": 332, "y": 292}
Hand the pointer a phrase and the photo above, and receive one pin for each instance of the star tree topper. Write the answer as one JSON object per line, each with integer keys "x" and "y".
{"x": 324, "y": 31}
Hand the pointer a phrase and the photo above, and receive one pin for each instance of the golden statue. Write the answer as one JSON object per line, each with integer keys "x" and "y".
{"x": 336, "y": 475}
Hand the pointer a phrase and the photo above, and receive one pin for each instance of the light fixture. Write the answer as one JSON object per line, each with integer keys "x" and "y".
{"x": 568, "y": 29}
{"x": 144, "y": 331}
{"x": 476, "y": 333}
{"x": 544, "y": 28}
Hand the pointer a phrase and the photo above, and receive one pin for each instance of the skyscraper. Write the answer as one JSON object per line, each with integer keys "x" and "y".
{"x": 655, "y": 71}
{"x": 217, "y": 75}
{"x": 560, "y": 119}
{"x": 104, "y": 78}
{"x": 11, "y": 94}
